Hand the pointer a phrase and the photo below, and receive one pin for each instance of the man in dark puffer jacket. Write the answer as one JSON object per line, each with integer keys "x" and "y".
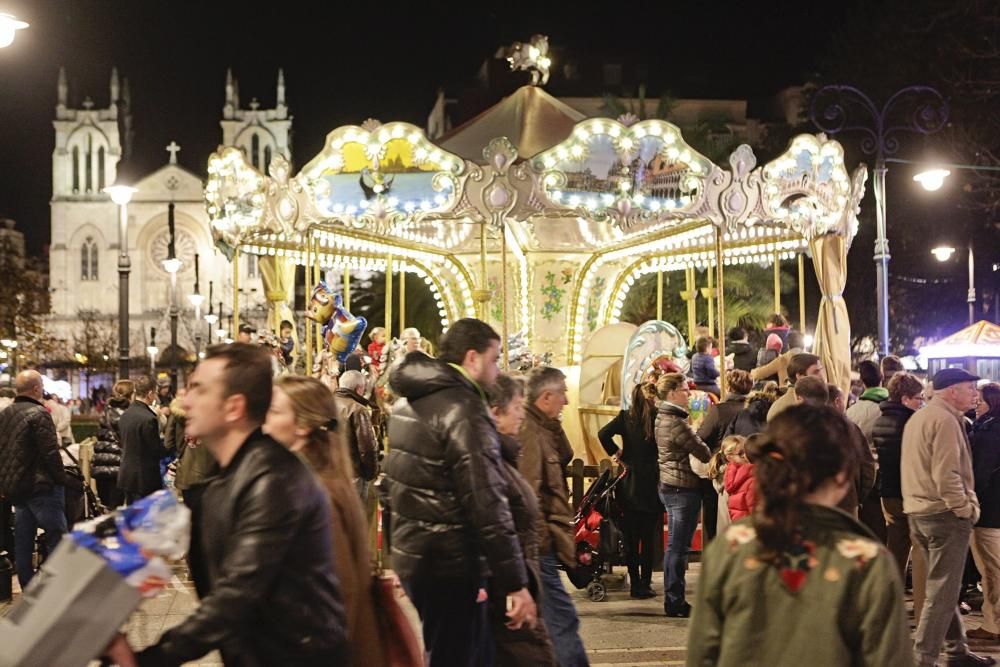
{"x": 31, "y": 472}
{"x": 451, "y": 523}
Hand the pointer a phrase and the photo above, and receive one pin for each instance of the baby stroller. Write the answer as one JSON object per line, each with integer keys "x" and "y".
{"x": 598, "y": 536}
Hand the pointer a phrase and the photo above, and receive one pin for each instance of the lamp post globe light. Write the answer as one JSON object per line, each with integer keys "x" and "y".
{"x": 932, "y": 179}
{"x": 943, "y": 254}
{"x": 122, "y": 195}
{"x": 919, "y": 109}
{"x": 9, "y": 25}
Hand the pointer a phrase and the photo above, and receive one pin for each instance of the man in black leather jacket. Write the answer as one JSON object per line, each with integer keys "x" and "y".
{"x": 451, "y": 523}
{"x": 260, "y": 535}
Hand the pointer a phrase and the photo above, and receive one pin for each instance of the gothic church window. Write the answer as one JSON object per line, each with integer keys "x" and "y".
{"x": 76, "y": 168}
{"x": 255, "y": 150}
{"x": 90, "y": 163}
{"x": 100, "y": 169}
{"x": 88, "y": 259}
{"x": 267, "y": 158}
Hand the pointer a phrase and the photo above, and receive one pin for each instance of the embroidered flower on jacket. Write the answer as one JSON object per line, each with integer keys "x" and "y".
{"x": 738, "y": 534}
{"x": 858, "y": 549}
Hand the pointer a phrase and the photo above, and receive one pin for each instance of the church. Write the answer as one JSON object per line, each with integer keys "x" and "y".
{"x": 83, "y": 260}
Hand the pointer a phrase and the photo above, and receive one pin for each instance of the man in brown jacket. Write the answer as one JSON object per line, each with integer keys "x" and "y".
{"x": 939, "y": 498}
{"x": 545, "y": 451}
{"x": 355, "y": 425}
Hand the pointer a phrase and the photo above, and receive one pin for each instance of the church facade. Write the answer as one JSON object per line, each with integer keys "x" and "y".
{"x": 83, "y": 260}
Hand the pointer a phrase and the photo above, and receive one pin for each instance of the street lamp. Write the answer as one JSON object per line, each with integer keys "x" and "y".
{"x": 9, "y": 25}
{"x": 172, "y": 265}
{"x": 152, "y": 351}
{"x": 912, "y": 109}
{"x": 122, "y": 195}
{"x": 932, "y": 179}
{"x": 943, "y": 254}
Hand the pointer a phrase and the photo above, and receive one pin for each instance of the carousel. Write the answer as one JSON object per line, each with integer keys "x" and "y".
{"x": 539, "y": 221}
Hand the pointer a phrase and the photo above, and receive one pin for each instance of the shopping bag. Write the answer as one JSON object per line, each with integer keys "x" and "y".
{"x": 402, "y": 647}
{"x": 69, "y": 612}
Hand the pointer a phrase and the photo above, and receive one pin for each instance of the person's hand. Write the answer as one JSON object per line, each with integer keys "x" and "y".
{"x": 522, "y": 610}
{"x": 120, "y": 653}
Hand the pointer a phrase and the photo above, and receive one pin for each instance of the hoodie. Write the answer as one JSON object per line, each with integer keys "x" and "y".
{"x": 744, "y": 357}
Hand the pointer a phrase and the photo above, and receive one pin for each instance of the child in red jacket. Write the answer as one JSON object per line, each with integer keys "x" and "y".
{"x": 739, "y": 484}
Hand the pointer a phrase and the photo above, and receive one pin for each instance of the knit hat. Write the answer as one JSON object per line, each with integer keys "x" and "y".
{"x": 774, "y": 343}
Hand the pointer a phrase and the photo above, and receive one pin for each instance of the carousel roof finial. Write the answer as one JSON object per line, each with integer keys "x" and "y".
{"x": 531, "y": 57}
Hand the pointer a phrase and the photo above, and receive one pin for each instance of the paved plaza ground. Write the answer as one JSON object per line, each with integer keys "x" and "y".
{"x": 619, "y": 631}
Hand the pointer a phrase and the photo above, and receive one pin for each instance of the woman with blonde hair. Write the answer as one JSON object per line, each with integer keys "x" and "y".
{"x": 302, "y": 417}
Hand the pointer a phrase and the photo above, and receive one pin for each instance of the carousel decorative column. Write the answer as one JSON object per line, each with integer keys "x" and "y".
{"x": 347, "y": 287}
{"x": 709, "y": 294}
{"x": 690, "y": 294}
{"x": 777, "y": 282}
{"x": 802, "y": 293}
{"x": 234, "y": 333}
{"x": 388, "y": 298}
{"x": 719, "y": 273}
{"x": 309, "y": 289}
{"x": 482, "y": 295}
{"x": 402, "y": 299}
{"x": 659, "y": 294}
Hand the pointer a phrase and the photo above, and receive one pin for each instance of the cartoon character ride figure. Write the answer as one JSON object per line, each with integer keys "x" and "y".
{"x": 341, "y": 330}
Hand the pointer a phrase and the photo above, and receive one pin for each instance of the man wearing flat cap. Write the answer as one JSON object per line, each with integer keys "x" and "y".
{"x": 246, "y": 334}
{"x": 939, "y": 498}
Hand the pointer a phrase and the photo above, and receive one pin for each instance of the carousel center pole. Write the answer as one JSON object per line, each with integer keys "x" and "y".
{"x": 721, "y": 302}
{"x": 317, "y": 271}
{"x": 690, "y": 294}
{"x": 482, "y": 295}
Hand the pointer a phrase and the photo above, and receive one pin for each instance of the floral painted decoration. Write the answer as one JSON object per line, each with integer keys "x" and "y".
{"x": 738, "y": 534}
{"x": 553, "y": 297}
{"x": 796, "y": 563}
{"x": 859, "y": 550}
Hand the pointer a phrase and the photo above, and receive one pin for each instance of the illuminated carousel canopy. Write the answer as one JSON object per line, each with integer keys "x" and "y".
{"x": 608, "y": 201}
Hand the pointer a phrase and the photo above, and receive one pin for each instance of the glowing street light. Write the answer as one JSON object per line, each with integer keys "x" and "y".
{"x": 943, "y": 253}
{"x": 9, "y": 25}
{"x": 932, "y": 179}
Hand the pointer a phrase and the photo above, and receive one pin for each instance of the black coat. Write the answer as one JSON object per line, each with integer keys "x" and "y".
{"x": 107, "y": 456}
{"x": 269, "y": 595}
{"x": 713, "y": 428}
{"x": 142, "y": 450}
{"x": 744, "y": 356}
{"x": 447, "y": 490}
{"x": 751, "y": 419}
{"x": 985, "y": 465}
{"x": 29, "y": 450}
{"x": 887, "y": 437}
{"x": 639, "y": 456}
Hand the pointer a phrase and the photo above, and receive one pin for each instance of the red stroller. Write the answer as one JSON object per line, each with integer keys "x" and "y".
{"x": 598, "y": 537}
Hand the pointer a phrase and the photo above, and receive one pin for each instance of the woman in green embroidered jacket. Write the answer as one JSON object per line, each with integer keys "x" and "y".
{"x": 800, "y": 582}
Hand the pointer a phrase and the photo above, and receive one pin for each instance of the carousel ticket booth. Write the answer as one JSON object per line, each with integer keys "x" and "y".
{"x": 539, "y": 222}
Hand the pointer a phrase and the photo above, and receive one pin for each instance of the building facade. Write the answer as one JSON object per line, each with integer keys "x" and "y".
{"x": 83, "y": 273}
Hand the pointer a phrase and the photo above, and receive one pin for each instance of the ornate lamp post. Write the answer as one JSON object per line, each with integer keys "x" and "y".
{"x": 122, "y": 195}
{"x": 210, "y": 317}
{"x": 912, "y": 109}
{"x": 196, "y": 300}
{"x": 152, "y": 350}
{"x": 172, "y": 265}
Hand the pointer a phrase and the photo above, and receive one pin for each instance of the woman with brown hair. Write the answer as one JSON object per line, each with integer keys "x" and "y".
{"x": 642, "y": 512}
{"x": 302, "y": 418}
{"x": 799, "y": 581}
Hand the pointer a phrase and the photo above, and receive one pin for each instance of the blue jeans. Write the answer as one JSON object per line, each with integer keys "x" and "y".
{"x": 46, "y": 510}
{"x": 455, "y": 626}
{"x": 560, "y": 617}
{"x": 682, "y": 507}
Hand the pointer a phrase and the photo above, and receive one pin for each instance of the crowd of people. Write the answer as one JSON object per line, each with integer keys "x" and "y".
{"x": 812, "y": 511}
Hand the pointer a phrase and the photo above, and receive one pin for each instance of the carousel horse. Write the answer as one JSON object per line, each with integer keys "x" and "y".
{"x": 341, "y": 330}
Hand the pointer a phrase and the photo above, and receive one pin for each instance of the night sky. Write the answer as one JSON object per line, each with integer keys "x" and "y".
{"x": 347, "y": 61}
